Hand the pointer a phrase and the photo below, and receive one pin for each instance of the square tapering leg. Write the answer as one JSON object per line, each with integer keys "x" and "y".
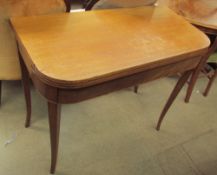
{"x": 27, "y": 91}
{"x": 181, "y": 82}
{"x": 54, "y": 123}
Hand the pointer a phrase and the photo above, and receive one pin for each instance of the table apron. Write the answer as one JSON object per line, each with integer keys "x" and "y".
{"x": 65, "y": 96}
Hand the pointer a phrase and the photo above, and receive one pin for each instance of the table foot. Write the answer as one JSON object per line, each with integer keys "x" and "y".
{"x": 136, "y": 89}
{"x": 183, "y": 79}
{"x": 27, "y": 91}
{"x": 54, "y": 123}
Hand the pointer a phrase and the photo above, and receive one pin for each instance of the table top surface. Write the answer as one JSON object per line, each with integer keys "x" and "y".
{"x": 86, "y": 48}
{"x": 199, "y": 12}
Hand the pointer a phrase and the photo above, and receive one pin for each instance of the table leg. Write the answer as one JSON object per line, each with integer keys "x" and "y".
{"x": 26, "y": 86}
{"x": 198, "y": 70}
{"x": 173, "y": 95}
{"x": 54, "y": 123}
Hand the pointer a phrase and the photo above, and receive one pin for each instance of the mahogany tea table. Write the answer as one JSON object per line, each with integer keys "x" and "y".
{"x": 74, "y": 57}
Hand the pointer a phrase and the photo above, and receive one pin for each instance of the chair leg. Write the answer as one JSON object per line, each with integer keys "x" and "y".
{"x": 27, "y": 92}
{"x": 210, "y": 84}
{"x": 191, "y": 85}
{"x": 199, "y": 68}
{"x": 183, "y": 79}
{"x": 68, "y": 5}
{"x": 136, "y": 89}
{"x": 90, "y": 4}
{"x": 0, "y": 92}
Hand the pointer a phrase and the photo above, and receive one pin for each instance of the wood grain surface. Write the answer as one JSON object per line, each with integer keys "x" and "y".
{"x": 87, "y": 48}
{"x": 199, "y": 12}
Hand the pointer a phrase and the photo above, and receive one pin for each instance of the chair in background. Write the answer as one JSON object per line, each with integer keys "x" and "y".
{"x": 202, "y": 14}
{"x": 88, "y": 4}
{"x": 85, "y": 3}
{"x": 9, "y": 59}
{"x": 210, "y": 68}
{"x": 108, "y": 4}
{"x": 210, "y": 71}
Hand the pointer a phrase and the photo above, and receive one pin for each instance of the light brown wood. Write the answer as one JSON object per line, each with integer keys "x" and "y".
{"x": 76, "y": 95}
{"x": 9, "y": 59}
{"x": 202, "y": 13}
{"x": 82, "y": 49}
{"x": 74, "y": 57}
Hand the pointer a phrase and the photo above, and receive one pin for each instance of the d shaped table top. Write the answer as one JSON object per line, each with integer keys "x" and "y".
{"x": 82, "y": 49}
{"x": 199, "y": 12}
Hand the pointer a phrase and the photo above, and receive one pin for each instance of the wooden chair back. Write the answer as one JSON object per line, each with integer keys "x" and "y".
{"x": 117, "y": 3}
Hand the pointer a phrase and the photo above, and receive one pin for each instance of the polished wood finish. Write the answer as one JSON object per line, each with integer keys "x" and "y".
{"x": 116, "y": 55}
{"x": 87, "y": 68}
{"x": 120, "y": 4}
{"x": 27, "y": 91}
{"x": 26, "y": 79}
{"x": 173, "y": 95}
{"x": 21, "y": 8}
{"x": 79, "y": 94}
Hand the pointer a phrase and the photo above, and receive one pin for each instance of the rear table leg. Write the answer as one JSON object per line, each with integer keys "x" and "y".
{"x": 26, "y": 86}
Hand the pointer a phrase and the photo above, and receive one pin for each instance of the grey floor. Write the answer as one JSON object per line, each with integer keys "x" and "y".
{"x": 113, "y": 134}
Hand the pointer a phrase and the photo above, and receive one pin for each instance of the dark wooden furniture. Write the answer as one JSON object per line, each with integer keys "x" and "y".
{"x": 68, "y": 65}
{"x": 108, "y": 4}
{"x": 68, "y": 5}
{"x": 210, "y": 70}
{"x": 88, "y": 5}
{"x": 202, "y": 14}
